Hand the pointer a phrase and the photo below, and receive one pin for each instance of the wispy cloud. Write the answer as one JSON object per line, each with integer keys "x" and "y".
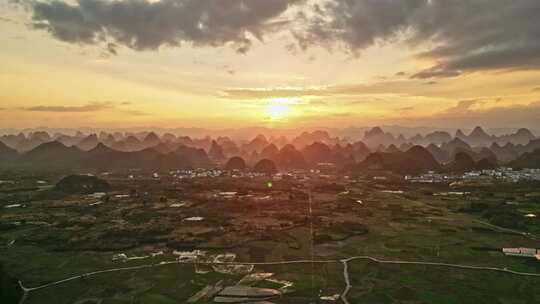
{"x": 264, "y": 93}
{"x": 91, "y": 107}
{"x": 120, "y": 108}
{"x": 394, "y": 87}
{"x": 135, "y": 112}
{"x": 318, "y": 103}
{"x": 462, "y": 107}
{"x": 225, "y": 67}
{"x": 405, "y": 109}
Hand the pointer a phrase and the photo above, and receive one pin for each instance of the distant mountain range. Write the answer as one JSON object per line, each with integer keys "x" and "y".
{"x": 247, "y": 133}
{"x": 56, "y": 156}
{"x": 415, "y": 160}
{"x": 378, "y": 150}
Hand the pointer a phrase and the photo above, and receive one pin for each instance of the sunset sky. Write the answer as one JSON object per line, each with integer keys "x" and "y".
{"x": 273, "y": 63}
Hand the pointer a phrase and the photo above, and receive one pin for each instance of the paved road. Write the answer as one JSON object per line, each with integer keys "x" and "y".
{"x": 348, "y": 285}
{"x": 342, "y": 261}
{"x": 526, "y": 234}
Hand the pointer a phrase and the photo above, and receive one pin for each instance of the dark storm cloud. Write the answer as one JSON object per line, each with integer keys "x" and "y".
{"x": 91, "y": 107}
{"x": 467, "y": 35}
{"x": 111, "y": 48}
{"x": 358, "y": 24}
{"x": 461, "y": 36}
{"x": 148, "y": 25}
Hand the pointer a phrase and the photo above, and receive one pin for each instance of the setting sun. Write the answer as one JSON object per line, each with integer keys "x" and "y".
{"x": 290, "y": 150}
{"x": 278, "y": 108}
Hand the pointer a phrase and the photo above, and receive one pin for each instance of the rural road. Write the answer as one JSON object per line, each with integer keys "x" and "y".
{"x": 345, "y": 262}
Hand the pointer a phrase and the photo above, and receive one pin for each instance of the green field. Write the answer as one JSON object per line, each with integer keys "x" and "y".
{"x": 415, "y": 225}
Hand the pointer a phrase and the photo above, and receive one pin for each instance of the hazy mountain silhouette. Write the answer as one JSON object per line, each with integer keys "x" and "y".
{"x": 128, "y": 144}
{"x": 290, "y": 158}
{"x": 271, "y": 151}
{"x": 52, "y": 154}
{"x": 464, "y": 161}
{"x": 406, "y": 146}
{"x": 437, "y": 137}
{"x": 479, "y": 137}
{"x": 521, "y": 137}
{"x": 318, "y": 152}
{"x": 440, "y": 155}
{"x": 308, "y": 138}
{"x": 506, "y": 153}
{"x": 12, "y": 140}
{"x": 82, "y": 184}
{"x": 279, "y": 141}
{"x": 196, "y": 156}
{"x": 228, "y": 146}
{"x": 478, "y": 154}
{"x": 235, "y": 163}
{"x": 265, "y": 166}
{"x": 256, "y": 144}
{"x": 392, "y": 149}
{"x": 39, "y": 149}
{"x": 216, "y": 152}
{"x": 485, "y": 164}
{"x": 7, "y": 154}
{"x": 460, "y": 135}
{"x": 377, "y": 137}
{"x": 528, "y": 160}
{"x": 454, "y": 146}
{"x": 413, "y": 161}
{"x": 151, "y": 140}
{"x": 168, "y": 137}
{"x": 67, "y": 140}
{"x": 89, "y": 142}
{"x": 56, "y": 156}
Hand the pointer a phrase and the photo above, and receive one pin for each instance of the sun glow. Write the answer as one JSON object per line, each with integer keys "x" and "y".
{"x": 278, "y": 108}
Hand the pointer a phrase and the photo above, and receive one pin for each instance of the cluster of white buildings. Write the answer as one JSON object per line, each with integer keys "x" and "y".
{"x": 523, "y": 252}
{"x": 210, "y": 173}
{"x": 501, "y": 174}
{"x": 195, "y": 173}
{"x": 521, "y": 175}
